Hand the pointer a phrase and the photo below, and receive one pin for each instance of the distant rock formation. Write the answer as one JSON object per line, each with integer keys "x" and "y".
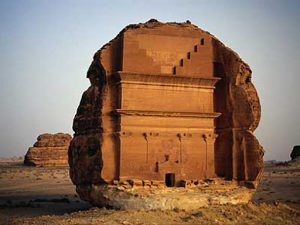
{"x": 296, "y": 152}
{"x": 49, "y": 150}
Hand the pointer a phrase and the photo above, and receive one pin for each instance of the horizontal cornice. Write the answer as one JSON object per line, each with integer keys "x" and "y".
{"x": 166, "y": 80}
{"x": 166, "y": 114}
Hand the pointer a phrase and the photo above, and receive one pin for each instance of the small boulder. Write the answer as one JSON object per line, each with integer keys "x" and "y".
{"x": 296, "y": 152}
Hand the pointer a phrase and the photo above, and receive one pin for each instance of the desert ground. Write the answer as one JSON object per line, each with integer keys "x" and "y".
{"x": 30, "y": 195}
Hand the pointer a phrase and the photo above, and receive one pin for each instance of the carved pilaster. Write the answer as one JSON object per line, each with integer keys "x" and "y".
{"x": 209, "y": 139}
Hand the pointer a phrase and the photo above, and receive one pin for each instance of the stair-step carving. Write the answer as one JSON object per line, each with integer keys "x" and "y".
{"x": 196, "y": 62}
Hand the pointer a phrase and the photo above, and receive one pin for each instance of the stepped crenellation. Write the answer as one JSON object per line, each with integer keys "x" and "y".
{"x": 186, "y": 66}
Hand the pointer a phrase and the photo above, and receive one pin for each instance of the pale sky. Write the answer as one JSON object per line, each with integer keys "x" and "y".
{"x": 47, "y": 46}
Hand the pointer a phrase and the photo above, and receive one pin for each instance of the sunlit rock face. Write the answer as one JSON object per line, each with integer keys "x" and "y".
{"x": 168, "y": 104}
{"x": 49, "y": 150}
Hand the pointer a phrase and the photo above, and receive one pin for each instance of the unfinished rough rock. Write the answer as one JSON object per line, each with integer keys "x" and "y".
{"x": 49, "y": 150}
{"x": 296, "y": 152}
{"x": 126, "y": 197}
{"x": 168, "y": 102}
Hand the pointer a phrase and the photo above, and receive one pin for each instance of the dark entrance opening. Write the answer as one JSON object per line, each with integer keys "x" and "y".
{"x": 170, "y": 179}
{"x": 202, "y": 41}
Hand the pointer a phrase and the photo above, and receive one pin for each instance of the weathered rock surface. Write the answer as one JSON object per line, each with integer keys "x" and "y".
{"x": 49, "y": 150}
{"x": 167, "y": 102}
{"x": 127, "y": 197}
{"x": 296, "y": 152}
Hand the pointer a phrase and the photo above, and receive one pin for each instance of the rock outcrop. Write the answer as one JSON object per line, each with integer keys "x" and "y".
{"x": 167, "y": 102}
{"x": 296, "y": 152}
{"x": 49, "y": 150}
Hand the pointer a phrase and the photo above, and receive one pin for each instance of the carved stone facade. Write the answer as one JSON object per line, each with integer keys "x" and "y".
{"x": 164, "y": 128}
{"x": 168, "y": 102}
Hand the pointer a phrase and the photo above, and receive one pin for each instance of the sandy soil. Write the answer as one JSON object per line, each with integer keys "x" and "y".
{"x": 30, "y": 191}
{"x": 46, "y": 196}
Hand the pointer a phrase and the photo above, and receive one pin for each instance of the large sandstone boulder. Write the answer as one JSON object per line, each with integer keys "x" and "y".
{"x": 49, "y": 150}
{"x": 166, "y": 101}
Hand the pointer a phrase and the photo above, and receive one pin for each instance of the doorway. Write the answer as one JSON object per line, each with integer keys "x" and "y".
{"x": 170, "y": 179}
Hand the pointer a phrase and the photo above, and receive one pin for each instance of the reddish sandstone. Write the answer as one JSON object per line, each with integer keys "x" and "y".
{"x": 168, "y": 102}
{"x": 49, "y": 150}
